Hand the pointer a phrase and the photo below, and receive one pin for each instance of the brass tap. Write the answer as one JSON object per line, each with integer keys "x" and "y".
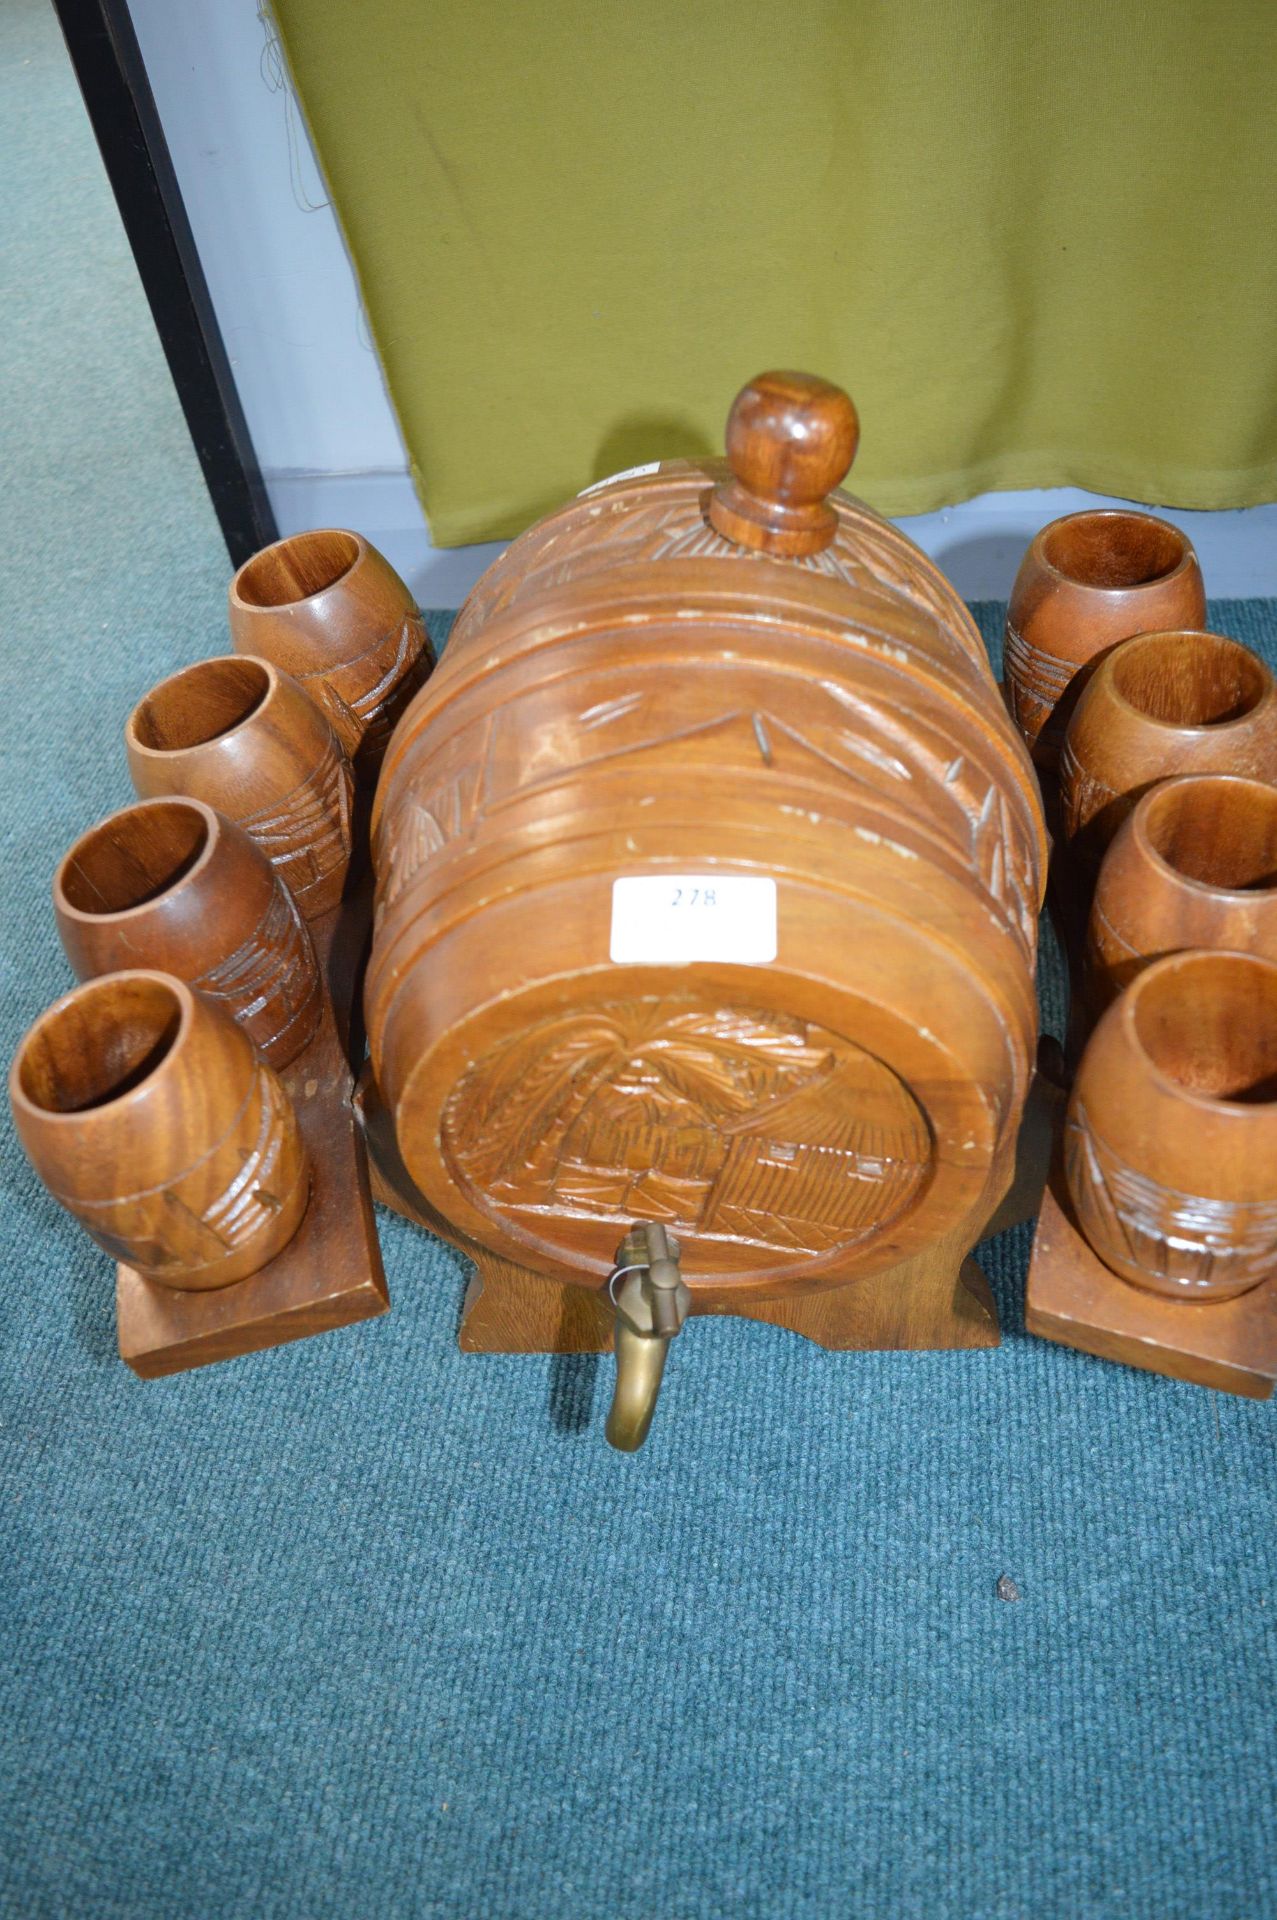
{"x": 651, "y": 1302}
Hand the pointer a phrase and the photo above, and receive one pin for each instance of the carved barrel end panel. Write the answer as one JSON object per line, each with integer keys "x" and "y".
{"x": 709, "y": 865}
{"x": 755, "y": 1137}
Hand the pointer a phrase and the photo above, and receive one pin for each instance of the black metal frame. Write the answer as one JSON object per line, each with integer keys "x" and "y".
{"x": 109, "y": 67}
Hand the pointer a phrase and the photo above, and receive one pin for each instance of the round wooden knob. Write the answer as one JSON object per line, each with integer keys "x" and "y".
{"x": 791, "y": 439}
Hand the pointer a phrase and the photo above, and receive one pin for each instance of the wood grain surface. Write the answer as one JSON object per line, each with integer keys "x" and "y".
{"x": 1073, "y": 1298}
{"x": 1195, "y": 865}
{"x": 1170, "y": 1140}
{"x": 150, "y": 1117}
{"x": 171, "y": 884}
{"x": 330, "y": 610}
{"x": 632, "y": 692}
{"x": 330, "y": 1274}
{"x": 243, "y": 736}
{"x": 1158, "y": 705}
{"x": 1087, "y": 581}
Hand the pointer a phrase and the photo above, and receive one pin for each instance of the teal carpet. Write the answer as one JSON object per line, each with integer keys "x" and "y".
{"x": 362, "y": 1627}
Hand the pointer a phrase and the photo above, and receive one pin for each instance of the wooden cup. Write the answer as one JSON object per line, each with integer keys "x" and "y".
{"x": 241, "y": 735}
{"x": 1171, "y": 1132}
{"x": 1157, "y": 705}
{"x": 172, "y": 885}
{"x": 331, "y": 611}
{"x": 1086, "y": 582}
{"x": 149, "y": 1116}
{"x": 1195, "y": 865}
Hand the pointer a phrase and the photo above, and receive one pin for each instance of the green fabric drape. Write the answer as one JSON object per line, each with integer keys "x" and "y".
{"x": 1037, "y": 243}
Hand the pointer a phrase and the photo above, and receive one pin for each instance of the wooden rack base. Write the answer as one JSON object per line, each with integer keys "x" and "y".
{"x": 1073, "y": 1298}
{"x": 330, "y": 1273}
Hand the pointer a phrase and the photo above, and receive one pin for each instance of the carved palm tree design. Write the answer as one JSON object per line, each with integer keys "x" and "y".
{"x": 667, "y": 1109}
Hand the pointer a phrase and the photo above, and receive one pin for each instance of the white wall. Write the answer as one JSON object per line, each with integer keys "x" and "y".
{"x": 283, "y": 287}
{"x": 980, "y": 543}
{"x": 321, "y": 420}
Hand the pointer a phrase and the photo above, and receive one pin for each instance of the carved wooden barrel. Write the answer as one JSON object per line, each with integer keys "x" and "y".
{"x": 709, "y": 866}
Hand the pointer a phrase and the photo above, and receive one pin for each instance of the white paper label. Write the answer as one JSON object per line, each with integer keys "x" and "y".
{"x": 671, "y": 919}
{"x": 614, "y": 479}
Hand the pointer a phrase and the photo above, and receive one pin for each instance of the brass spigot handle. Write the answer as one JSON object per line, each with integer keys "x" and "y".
{"x": 651, "y": 1302}
{"x": 640, "y": 1364}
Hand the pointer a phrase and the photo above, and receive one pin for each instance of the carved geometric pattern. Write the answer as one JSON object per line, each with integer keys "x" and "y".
{"x": 1036, "y": 680}
{"x": 380, "y": 707}
{"x": 369, "y": 717}
{"x": 250, "y": 1202}
{"x": 1112, "y": 936}
{"x": 650, "y": 522}
{"x": 1084, "y": 796}
{"x": 881, "y": 750}
{"x": 192, "y": 1231}
{"x": 307, "y": 832}
{"x": 730, "y": 1124}
{"x": 424, "y": 825}
{"x": 981, "y": 812}
{"x": 1187, "y": 1240}
{"x": 862, "y": 554}
{"x": 271, "y": 972}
